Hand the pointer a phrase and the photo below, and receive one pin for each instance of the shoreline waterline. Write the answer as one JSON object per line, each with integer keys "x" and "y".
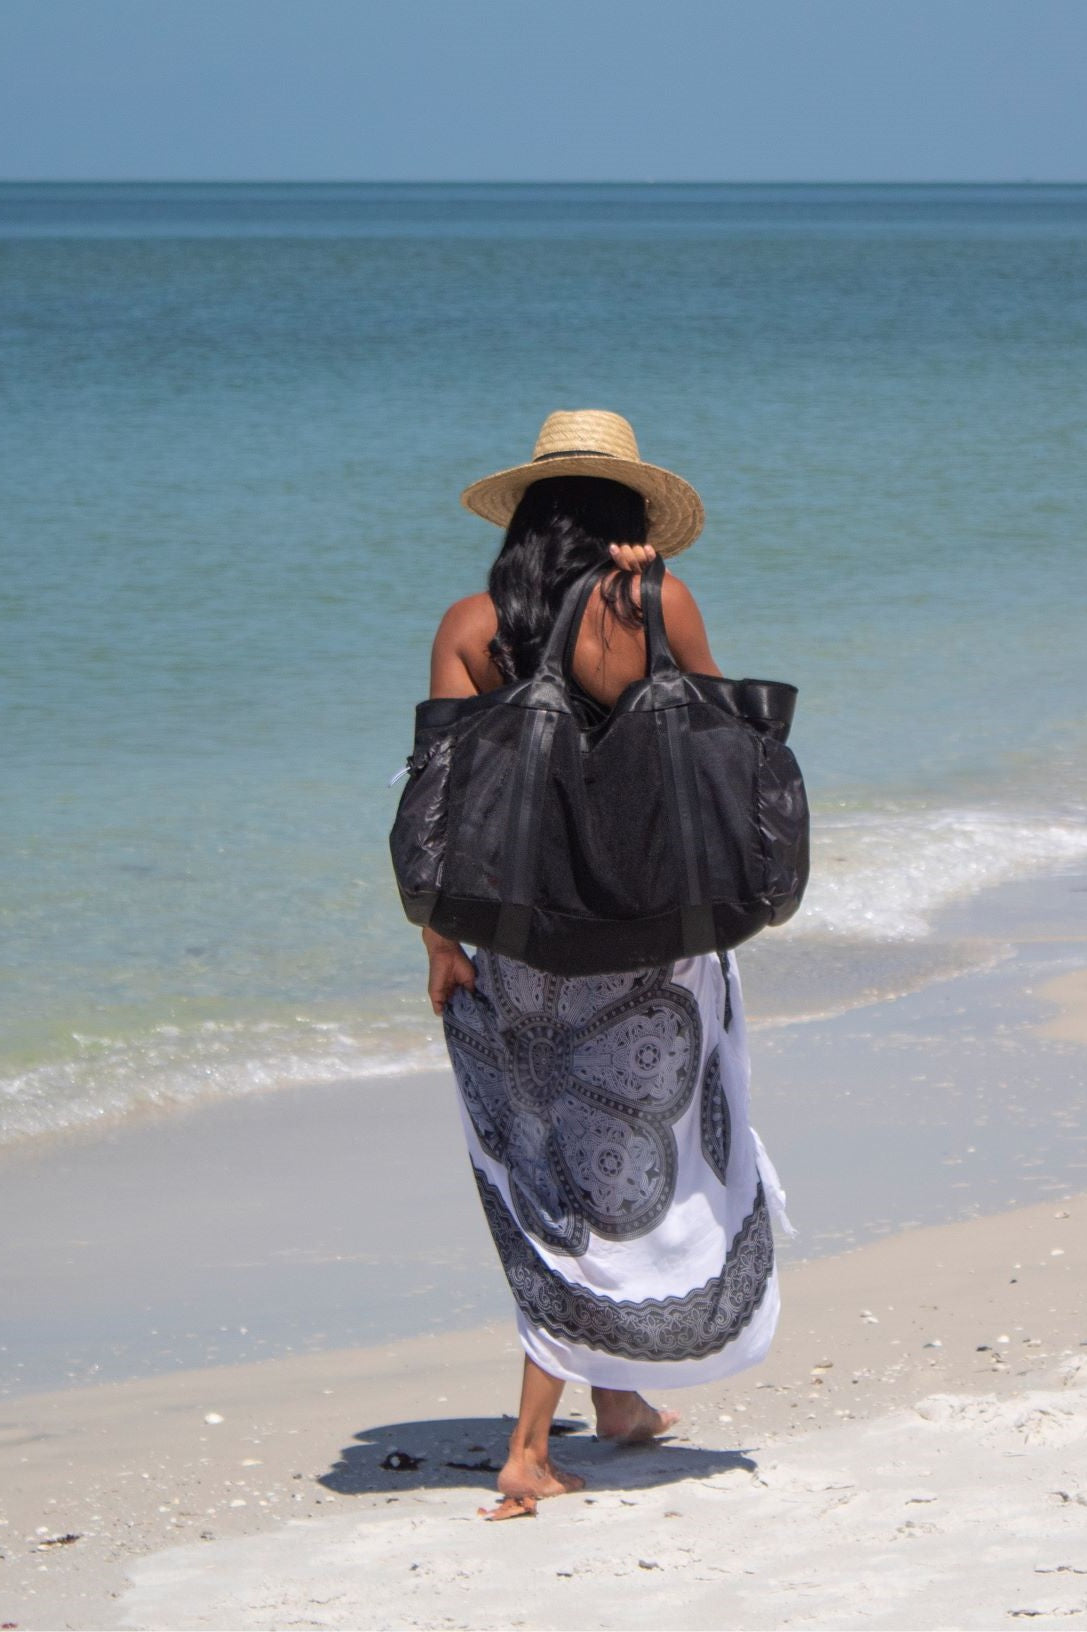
{"x": 291, "y": 1220}
{"x": 175, "y": 1066}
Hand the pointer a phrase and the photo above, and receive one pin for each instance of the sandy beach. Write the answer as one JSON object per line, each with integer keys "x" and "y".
{"x": 911, "y": 1455}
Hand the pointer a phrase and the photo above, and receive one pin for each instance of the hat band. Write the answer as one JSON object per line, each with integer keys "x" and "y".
{"x": 574, "y": 453}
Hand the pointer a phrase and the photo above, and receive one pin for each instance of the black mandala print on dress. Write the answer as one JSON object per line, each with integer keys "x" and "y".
{"x": 573, "y": 1085}
{"x": 687, "y": 1327}
{"x": 716, "y": 1122}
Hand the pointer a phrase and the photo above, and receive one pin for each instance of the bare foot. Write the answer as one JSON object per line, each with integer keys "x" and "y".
{"x": 524, "y": 1476}
{"x": 510, "y": 1507}
{"x": 626, "y": 1418}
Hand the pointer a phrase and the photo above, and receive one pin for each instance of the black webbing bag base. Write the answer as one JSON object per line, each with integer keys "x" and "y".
{"x": 584, "y": 946}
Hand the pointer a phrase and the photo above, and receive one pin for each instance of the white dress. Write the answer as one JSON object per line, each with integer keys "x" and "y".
{"x": 629, "y": 1198}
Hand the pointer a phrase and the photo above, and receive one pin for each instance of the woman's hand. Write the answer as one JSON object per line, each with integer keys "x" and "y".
{"x": 450, "y": 967}
{"x": 632, "y": 557}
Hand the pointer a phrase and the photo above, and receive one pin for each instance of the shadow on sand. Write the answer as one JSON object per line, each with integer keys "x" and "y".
{"x": 468, "y": 1451}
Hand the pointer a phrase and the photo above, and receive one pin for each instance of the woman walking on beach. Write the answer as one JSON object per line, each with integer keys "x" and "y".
{"x": 606, "y": 1115}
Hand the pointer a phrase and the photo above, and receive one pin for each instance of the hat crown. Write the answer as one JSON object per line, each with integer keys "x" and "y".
{"x": 595, "y": 442}
{"x": 586, "y": 430}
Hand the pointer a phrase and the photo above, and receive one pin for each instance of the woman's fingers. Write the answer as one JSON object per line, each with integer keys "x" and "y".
{"x": 465, "y": 974}
{"x": 448, "y": 970}
{"x": 632, "y": 557}
{"x": 437, "y": 990}
{"x": 440, "y": 982}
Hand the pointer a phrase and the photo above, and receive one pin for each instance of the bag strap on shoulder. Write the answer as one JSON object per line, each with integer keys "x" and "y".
{"x": 584, "y": 594}
{"x": 558, "y": 655}
{"x": 659, "y": 662}
{"x": 559, "y": 651}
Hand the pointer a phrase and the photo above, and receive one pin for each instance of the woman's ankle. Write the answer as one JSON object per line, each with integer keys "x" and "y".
{"x": 535, "y": 1449}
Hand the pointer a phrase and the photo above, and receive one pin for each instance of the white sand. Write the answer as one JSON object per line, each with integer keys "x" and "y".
{"x": 961, "y": 1511}
{"x": 860, "y": 1478}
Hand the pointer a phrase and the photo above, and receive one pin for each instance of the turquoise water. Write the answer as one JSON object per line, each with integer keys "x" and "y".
{"x": 237, "y": 420}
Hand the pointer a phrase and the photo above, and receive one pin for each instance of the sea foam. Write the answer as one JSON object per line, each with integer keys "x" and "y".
{"x": 104, "y": 1080}
{"x": 885, "y": 875}
{"x": 876, "y": 878}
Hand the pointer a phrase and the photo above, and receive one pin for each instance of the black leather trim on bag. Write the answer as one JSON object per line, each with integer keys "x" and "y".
{"x": 678, "y": 764}
{"x": 676, "y": 825}
{"x": 522, "y": 837}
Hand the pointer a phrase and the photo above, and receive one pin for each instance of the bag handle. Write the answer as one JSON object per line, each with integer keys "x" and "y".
{"x": 659, "y": 662}
{"x": 547, "y": 700}
{"x": 673, "y": 730}
{"x": 584, "y": 595}
{"x": 559, "y": 652}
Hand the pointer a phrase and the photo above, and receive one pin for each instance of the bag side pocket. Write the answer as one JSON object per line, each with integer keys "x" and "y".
{"x": 782, "y": 811}
{"x": 418, "y": 837}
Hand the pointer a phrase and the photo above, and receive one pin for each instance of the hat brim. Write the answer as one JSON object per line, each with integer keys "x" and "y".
{"x": 674, "y": 512}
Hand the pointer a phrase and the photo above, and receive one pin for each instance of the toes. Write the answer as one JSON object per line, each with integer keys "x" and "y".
{"x": 643, "y": 1425}
{"x": 535, "y": 1483}
{"x": 510, "y": 1507}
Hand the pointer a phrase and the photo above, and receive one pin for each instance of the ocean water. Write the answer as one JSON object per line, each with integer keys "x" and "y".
{"x": 236, "y": 424}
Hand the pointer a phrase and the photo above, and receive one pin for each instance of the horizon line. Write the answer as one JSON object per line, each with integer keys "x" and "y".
{"x": 527, "y": 181}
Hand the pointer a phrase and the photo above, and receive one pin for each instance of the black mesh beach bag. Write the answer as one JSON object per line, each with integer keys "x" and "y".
{"x": 676, "y": 825}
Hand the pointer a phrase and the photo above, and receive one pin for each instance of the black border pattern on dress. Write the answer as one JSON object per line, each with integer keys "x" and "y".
{"x": 688, "y": 1327}
{"x": 716, "y": 1120}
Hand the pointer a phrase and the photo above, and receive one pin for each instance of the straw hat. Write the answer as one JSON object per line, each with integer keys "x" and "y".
{"x": 592, "y": 442}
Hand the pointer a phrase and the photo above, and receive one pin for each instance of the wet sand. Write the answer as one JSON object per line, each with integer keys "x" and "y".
{"x": 344, "y": 1215}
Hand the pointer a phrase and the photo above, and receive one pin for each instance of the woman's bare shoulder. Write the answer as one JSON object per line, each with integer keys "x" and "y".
{"x": 460, "y": 663}
{"x": 685, "y": 628}
{"x": 675, "y": 596}
{"x": 468, "y": 618}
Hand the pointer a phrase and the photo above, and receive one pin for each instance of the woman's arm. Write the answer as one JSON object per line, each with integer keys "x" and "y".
{"x": 450, "y": 967}
{"x": 460, "y": 663}
{"x": 461, "y": 640}
{"x": 686, "y": 631}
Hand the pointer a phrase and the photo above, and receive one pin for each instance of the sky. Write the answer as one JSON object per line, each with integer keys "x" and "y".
{"x": 543, "y": 90}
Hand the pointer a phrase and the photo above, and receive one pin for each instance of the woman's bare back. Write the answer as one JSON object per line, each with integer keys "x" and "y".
{"x": 607, "y": 657}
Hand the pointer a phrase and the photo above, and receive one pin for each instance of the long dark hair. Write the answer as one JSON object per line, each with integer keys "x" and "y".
{"x": 562, "y": 526}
